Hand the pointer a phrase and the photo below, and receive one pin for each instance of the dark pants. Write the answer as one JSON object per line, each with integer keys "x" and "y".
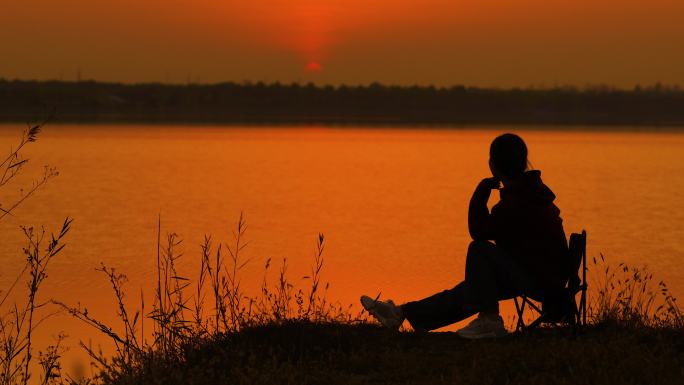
{"x": 490, "y": 276}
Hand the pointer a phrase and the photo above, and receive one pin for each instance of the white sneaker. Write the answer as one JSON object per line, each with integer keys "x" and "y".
{"x": 484, "y": 327}
{"x": 386, "y": 312}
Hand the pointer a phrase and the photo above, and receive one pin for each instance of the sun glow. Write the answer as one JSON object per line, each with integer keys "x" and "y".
{"x": 314, "y": 67}
{"x": 620, "y": 42}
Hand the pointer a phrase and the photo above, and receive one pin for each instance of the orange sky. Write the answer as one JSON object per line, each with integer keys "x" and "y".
{"x": 442, "y": 42}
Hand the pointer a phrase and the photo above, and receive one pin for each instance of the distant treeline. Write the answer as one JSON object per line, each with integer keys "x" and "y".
{"x": 258, "y": 103}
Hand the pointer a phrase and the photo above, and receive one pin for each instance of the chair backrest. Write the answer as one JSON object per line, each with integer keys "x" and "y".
{"x": 561, "y": 305}
{"x": 578, "y": 250}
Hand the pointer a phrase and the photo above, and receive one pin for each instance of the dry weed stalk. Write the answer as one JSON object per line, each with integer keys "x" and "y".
{"x": 18, "y": 324}
{"x": 627, "y": 297}
{"x": 12, "y": 165}
{"x": 181, "y": 320}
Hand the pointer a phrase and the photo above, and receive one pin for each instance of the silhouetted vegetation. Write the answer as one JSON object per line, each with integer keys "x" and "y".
{"x": 291, "y": 335}
{"x": 210, "y": 331}
{"x": 309, "y": 353}
{"x": 13, "y": 164}
{"x": 19, "y": 318}
{"x": 259, "y": 103}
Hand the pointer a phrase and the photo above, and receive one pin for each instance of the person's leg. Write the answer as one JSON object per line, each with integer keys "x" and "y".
{"x": 491, "y": 275}
{"x": 480, "y": 278}
{"x": 438, "y": 310}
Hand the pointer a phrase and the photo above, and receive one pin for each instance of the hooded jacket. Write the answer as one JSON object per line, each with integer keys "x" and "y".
{"x": 527, "y": 225}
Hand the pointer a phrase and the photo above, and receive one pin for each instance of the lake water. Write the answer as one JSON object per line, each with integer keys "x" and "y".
{"x": 392, "y": 203}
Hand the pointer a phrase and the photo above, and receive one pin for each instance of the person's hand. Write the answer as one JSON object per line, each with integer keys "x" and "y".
{"x": 491, "y": 183}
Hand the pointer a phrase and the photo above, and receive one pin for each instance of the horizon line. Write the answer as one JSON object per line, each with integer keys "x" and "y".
{"x": 249, "y": 83}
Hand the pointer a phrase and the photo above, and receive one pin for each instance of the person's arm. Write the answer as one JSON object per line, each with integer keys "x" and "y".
{"x": 480, "y": 223}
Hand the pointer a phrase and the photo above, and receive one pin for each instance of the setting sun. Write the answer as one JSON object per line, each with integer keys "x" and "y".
{"x": 314, "y": 67}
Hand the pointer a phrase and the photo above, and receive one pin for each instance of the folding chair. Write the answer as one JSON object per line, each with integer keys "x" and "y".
{"x": 561, "y": 307}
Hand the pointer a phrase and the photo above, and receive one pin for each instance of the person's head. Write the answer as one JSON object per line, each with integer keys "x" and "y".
{"x": 508, "y": 156}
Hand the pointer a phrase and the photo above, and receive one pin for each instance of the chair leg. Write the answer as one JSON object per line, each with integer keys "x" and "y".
{"x": 532, "y": 305}
{"x": 536, "y": 322}
{"x": 584, "y": 278}
{"x": 520, "y": 308}
{"x": 583, "y": 307}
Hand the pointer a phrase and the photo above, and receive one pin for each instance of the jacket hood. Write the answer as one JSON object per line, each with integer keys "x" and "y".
{"x": 528, "y": 188}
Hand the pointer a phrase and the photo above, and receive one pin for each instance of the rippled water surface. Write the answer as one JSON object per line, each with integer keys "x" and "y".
{"x": 391, "y": 203}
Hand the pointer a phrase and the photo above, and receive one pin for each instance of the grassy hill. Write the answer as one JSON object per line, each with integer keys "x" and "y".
{"x": 310, "y": 353}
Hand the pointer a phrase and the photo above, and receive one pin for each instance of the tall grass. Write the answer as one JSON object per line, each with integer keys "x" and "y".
{"x": 14, "y": 163}
{"x": 18, "y": 324}
{"x": 19, "y": 319}
{"x": 629, "y": 297}
{"x": 186, "y": 314}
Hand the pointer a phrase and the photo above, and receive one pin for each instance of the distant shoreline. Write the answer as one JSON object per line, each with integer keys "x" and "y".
{"x": 90, "y": 125}
{"x": 374, "y": 105}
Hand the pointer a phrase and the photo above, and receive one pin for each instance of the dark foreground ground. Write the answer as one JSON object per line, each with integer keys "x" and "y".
{"x": 305, "y": 353}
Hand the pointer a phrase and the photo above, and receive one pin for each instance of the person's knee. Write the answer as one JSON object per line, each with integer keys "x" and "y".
{"x": 478, "y": 257}
{"x": 480, "y": 247}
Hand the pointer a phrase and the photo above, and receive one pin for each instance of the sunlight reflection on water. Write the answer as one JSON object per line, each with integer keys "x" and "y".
{"x": 392, "y": 203}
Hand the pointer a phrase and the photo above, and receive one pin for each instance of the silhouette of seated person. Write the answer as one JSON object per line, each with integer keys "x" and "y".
{"x": 528, "y": 254}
